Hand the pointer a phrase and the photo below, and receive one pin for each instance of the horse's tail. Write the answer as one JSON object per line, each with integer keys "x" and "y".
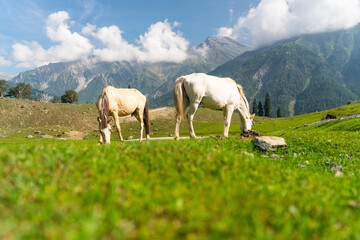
{"x": 179, "y": 94}
{"x": 146, "y": 118}
{"x": 103, "y": 107}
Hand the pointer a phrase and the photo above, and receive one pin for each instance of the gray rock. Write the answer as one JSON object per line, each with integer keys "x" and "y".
{"x": 301, "y": 166}
{"x": 267, "y": 143}
{"x": 29, "y": 136}
{"x": 337, "y": 168}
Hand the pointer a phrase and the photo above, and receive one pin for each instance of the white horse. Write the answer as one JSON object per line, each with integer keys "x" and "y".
{"x": 121, "y": 102}
{"x": 210, "y": 92}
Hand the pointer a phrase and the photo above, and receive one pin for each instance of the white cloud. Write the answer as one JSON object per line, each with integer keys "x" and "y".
{"x": 4, "y": 62}
{"x": 159, "y": 43}
{"x": 274, "y": 20}
{"x": 116, "y": 48}
{"x": 72, "y": 46}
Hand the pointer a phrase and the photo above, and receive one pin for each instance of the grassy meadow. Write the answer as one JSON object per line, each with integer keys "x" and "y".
{"x": 208, "y": 188}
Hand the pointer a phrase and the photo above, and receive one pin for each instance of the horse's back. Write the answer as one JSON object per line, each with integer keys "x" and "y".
{"x": 125, "y": 101}
{"x": 213, "y": 92}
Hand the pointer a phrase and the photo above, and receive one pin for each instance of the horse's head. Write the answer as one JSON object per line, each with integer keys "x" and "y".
{"x": 105, "y": 131}
{"x": 247, "y": 123}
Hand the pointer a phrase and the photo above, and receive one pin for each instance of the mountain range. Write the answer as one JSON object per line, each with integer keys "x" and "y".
{"x": 303, "y": 74}
{"x": 89, "y": 76}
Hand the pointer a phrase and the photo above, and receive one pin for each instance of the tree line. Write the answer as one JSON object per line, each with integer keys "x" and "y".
{"x": 24, "y": 91}
{"x": 265, "y": 110}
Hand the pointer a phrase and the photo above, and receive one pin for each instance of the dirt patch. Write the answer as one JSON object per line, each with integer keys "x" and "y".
{"x": 75, "y": 135}
{"x": 46, "y": 136}
{"x": 250, "y": 134}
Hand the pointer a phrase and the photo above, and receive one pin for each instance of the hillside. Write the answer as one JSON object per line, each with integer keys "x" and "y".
{"x": 89, "y": 76}
{"x": 28, "y": 115}
{"x": 24, "y": 114}
{"x": 305, "y": 74}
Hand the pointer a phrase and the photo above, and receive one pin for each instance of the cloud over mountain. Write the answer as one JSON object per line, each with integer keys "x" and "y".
{"x": 159, "y": 43}
{"x": 274, "y": 20}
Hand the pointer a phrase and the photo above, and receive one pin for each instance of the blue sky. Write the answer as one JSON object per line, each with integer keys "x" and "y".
{"x": 26, "y": 20}
{"x": 35, "y": 33}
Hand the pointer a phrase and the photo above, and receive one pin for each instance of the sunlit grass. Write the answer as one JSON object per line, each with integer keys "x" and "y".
{"x": 188, "y": 189}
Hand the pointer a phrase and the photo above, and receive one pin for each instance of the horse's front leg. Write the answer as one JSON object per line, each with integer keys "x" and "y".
{"x": 117, "y": 124}
{"x": 227, "y": 113}
{"x": 192, "y": 110}
{"x": 100, "y": 139}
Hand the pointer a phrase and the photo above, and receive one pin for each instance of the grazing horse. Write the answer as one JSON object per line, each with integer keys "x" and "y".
{"x": 121, "y": 102}
{"x": 210, "y": 92}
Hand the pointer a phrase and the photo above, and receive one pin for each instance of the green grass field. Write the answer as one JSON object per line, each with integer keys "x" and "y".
{"x": 188, "y": 189}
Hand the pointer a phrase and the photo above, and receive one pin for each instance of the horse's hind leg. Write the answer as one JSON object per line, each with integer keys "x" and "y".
{"x": 139, "y": 117}
{"x": 190, "y": 116}
{"x": 178, "y": 118}
{"x": 118, "y": 128}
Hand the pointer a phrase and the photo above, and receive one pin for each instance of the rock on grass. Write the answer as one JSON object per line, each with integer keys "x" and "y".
{"x": 267, "y": 143}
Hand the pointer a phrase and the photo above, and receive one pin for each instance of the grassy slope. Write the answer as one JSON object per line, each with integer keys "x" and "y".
{"x": 205, "y": 188}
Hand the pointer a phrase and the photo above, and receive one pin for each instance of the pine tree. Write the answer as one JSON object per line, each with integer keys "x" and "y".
{"x": 261, "y": 110}
{"x": 279, "y": 113}
{"x": 267, "y": 106}
{"x": 255, "y": 107}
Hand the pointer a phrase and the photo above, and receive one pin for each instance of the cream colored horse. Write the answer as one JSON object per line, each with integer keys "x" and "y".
{"x": 210, "y": 92}
{"x": 117, "y": 102}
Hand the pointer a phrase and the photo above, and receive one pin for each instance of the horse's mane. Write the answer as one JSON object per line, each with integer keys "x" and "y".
{"x": 104, "y": 109}
{"x": 242, "y": 95}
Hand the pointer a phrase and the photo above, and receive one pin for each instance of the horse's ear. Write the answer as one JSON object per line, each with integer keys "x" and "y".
{"x": 252, "y": 116}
